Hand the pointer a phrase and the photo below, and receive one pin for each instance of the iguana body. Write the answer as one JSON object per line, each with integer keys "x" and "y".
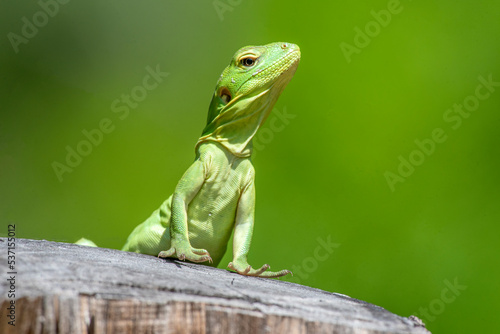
{"x": 212, "y": 186}
{"x": 217, "y": 193}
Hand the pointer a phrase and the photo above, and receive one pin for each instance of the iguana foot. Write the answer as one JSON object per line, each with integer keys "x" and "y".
{"x": 247, "y": 270}
{"x": 187, "y": 253}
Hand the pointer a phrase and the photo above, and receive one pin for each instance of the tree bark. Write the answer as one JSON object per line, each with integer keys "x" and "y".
{"x": 66, "y": 288}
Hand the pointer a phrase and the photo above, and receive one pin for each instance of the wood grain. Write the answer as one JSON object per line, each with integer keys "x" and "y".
{"x": 66, "y": 288}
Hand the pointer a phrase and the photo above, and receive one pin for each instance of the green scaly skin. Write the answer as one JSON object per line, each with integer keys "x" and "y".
{"x": 217, "y": 192}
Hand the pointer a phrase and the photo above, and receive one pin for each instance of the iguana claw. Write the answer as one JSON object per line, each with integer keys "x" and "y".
{"x": 261, "y": 272}
{"x": 190, "y": 254}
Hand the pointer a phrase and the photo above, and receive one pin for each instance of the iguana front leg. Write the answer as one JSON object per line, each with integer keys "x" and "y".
{"x": 186, "y": 190}
{"x": 243, "y": 230}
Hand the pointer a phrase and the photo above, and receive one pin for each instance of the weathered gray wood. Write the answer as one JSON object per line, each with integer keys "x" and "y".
{"x": 65, "y": 288}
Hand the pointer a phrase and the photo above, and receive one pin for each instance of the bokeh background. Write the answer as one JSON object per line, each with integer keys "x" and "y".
{"x": 355, "y": 108}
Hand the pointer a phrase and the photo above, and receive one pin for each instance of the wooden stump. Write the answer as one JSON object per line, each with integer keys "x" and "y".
{"x": 66, "y": 288}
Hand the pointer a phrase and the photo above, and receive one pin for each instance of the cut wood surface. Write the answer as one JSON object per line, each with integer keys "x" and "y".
{"x": 66, "y": 288}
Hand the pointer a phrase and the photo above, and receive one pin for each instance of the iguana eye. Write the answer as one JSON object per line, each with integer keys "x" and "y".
{"x": 247, "y": 62}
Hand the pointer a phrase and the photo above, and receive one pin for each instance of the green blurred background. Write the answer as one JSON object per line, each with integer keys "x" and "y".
{"x": 322, "y": 175}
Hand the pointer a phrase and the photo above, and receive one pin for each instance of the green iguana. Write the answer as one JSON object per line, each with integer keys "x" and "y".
{"x": 217, "y": 192}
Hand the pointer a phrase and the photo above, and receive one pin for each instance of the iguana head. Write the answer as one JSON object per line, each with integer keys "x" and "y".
{"x": 246, "y": 92}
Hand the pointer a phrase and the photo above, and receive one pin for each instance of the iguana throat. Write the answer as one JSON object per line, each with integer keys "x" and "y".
{"x": 246, "y": 93}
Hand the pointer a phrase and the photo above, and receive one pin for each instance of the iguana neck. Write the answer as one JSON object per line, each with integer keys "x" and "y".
{"x": 235, "y": 128}
{"x": 244, "y": 98}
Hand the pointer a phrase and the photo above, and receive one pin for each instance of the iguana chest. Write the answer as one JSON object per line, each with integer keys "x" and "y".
{"x": 212, "y": 211}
